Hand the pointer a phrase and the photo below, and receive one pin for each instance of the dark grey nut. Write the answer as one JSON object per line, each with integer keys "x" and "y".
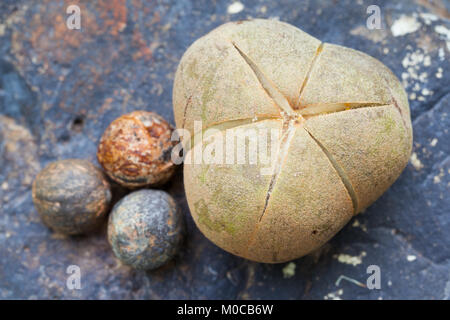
{"x": 72, "y": 196}
{"x": 145, "y": 229}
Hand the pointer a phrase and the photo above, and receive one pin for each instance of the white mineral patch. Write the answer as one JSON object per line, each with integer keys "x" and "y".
{"x": 413, "y": 59}
{"x": 437, "y": 179}
{"x": 447, "y": 291}
{"x": 426, "y": 92}
{"x": 405, "y": 25}
{"x": 417, "y": 164}
{"x": 434, "y": 142}
{"x": 348, "y": 259}
{"x": 357, "y": 224}
{"x": 413, "y": 76}
{"x": 289, "y": 270}
{"x": 334, "y": 295}
{"x": 441, "y": 54}
{"x": 444, "y": 32}
{"x": 235, "y": 7}
{"x": 428, "y": 18}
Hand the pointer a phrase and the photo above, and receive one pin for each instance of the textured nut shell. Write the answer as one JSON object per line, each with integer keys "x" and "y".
{"x": 145, "y": 229}
{"x": 212, "y": 68}
{"x": 370, "y": 144}
{"x": 135, "y": 150}
{"x": 309, "y": 204}
{"x": 344, "y": 75}
{"x": 226, "y": 201}
{"x": 72, "y": 196}
{"x": 355, "y": 140}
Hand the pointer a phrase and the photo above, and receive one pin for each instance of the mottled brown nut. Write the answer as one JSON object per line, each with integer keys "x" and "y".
{"x": 72, "y": 196}
{"x": 136, "y": 148}
{"x": 145, "y": 229}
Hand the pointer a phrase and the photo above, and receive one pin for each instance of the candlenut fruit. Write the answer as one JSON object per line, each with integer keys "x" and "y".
{"x": 345, "y": 136}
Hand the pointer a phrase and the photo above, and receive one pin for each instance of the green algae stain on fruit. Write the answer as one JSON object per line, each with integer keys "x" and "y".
{"x": 202, "y": 176}
{"x": 191, "y": 69}
{"x": 207, "y": 83}
{"x": 205, "y": 219}
{"x": 388, "y": 123}
{"x": 203, "y": 216}
{"x": 388, "y": 129}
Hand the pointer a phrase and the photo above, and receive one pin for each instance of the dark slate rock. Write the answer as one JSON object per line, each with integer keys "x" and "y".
{"x": 59, "y": 90}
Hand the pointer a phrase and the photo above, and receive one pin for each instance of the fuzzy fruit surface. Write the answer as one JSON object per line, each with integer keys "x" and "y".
{"x": 345, "y": 137}
{"x": 145, "y": 229}
{"x": 72, "y": 196}
{"x": 135, "y": 150}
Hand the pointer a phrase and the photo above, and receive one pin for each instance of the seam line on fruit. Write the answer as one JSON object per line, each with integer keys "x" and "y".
{"x": 395, "y": 103}
{"x": 188, "y": 102}
{"x": 317, "y": 109}
{"x": 272, "y": 91}
{"x": 282, "y": 154}
{"x": 308, "y": 73}
{"x": 340, "y": 171}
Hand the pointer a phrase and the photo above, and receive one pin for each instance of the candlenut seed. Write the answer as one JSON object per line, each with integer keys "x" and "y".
{"x": 135, "y": 150}
{"x": 145, "y": 229}
{"x": 72, "y": 196}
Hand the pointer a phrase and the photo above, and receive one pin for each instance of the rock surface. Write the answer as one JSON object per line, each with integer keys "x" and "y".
{"x": 60, "y": 89}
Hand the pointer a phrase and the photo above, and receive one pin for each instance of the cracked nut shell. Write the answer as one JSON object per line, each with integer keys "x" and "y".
{"x": 135, "y": 150}
{"x": 345, "y": 137}
{"x": 145, "y": 229}
{"x": 71, "y": 196}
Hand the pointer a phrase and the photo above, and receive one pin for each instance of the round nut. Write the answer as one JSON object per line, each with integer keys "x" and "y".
{"x": 135, "y": 150}
{"x": 145, "y": 229}
{"x": 72, "y": 196}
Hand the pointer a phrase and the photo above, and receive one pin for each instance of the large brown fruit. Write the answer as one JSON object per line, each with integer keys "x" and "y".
{"x": 345, "y": 136}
